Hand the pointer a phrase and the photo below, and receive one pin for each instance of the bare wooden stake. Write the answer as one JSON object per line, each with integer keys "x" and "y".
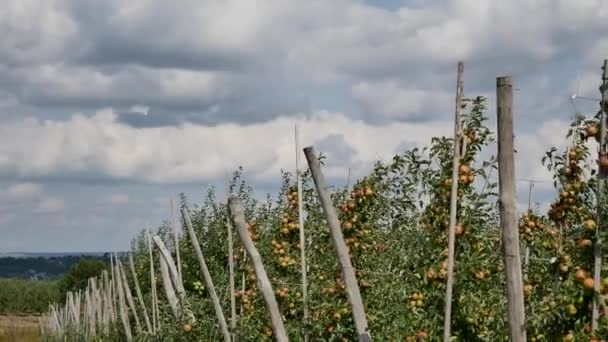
{"x": 208, "y": 281}
{"x": 129, "y": 295}
{"x": 231, "y": 266}
{"x": 508, "y": 209}
{"x": 597, "y": 252}
{"x": 238, "y": 218}
{"x": 168, "y": 286}
{"x": 453, "y": 208}
{"x": 176, "y": 242}
{"x": 302, "y": 236}
{"x": 527, "y": 251}
{"x": 124, "y": 316}
{"x": 352, "y": 287}
{"x": 155, "y": 320}
{"x": 140, "y": 297}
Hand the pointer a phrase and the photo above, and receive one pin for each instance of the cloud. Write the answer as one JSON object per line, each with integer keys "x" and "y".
{"x": 23, "y": 191}
{"x": 50, "y": 206}
{"x": 101, "y": 147}
{"x": 222, "y": 84}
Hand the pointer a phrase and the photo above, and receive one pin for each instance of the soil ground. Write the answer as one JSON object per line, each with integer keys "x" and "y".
{"x": 17, "y": 328}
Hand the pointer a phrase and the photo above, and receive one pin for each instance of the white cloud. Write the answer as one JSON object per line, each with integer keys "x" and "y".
{"x": 102, "y": 146}
{"x": 119, "y": 199}
{"x": 23, "y": 191}
{"x": 50, "y": 206}
{"x": 396, "y": 102}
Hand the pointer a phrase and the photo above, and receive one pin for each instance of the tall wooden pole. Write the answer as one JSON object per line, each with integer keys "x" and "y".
{"x": 207, "y": 276}
{"x": 508, "y": 209}
{"x": 138, "y": 292}
{"x": 597, "y": 252}
{"x": 453, "y": 208}
{"x": 231, "y": 267}
{"x": 176, "y": 242}
{"x": 302, "y": 237}
{"x": 238, "y": 218}
{"x": 350, "y": 280}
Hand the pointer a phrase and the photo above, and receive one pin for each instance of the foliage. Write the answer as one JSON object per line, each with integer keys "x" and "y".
{"x": 19, "y": 296}
{"x": 395, "y": 223}
{"x": 78, "y": 275}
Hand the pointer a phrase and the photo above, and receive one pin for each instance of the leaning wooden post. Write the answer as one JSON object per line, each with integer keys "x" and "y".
{"x": 508, "y": 209}
{"x": 447, "y": 319}
{"x": 124, "y": 316}
{"x": 352, "y": 288}
{"x": 178, "y": 285}
{"x": 208, "y": 281}
{"x": 168, "y": 286}
{"x": 302, "y": 237}
{"x": 140, "y": 297}
{"x": 176, "y": 242}
{"x": 129, "y": 295}
{"x": 238, "y": 219}
{"x": 597, "y": 252}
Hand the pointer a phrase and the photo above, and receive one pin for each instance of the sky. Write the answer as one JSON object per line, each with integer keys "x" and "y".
{"x": 108, "y": 109}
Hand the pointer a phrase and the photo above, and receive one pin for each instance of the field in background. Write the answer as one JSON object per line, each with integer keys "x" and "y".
{"x": 19, "y": 328}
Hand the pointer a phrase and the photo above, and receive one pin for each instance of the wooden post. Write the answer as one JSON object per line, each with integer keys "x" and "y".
{"x": 597, "y": 251}
{"x": 129, "y": 295}
{"x": 155, "y": 321}
{"x": 164, "y": 253}
{"x": 508, "y": 209}
{"x": 302, "y": 237}
{"x": 527, "y": 251}
{"x": 352, "y": 287}
{"x": 231, "y": 266}
{"x": 168, "y": 286}
{"x": 140, "y": 297}
{"x": 447, "y": 319}
{"x": 176, "y": 242}
{"x": 121, "y": 301}
{"x": 208, "y": 281}
{"x": 238, "y": 218}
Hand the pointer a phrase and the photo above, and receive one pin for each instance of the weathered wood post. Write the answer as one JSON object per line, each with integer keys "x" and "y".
{"x": 508, "y": 209}
{"x": 238, "y": 218}
{"x": 231, "y": 267}
{"x": 447, "y": 319}
{"x": 302, "y": 237}
{"x": 597, "y": 252}
{"x": 350, "y": 280}
{"x": 140, "y": 297}
{"x": 207, "y": 276}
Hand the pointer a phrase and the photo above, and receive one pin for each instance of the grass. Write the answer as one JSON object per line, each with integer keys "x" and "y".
{"x": 19, "y": 328}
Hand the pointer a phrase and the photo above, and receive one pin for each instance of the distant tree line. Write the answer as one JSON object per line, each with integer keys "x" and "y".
{"x": 48, "y": 268}
{"x": 20, "y": 293}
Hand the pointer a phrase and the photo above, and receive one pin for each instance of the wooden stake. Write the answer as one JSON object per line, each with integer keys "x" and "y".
{"x": 168, "y": 286}
{"x": 176, "y": 242}
{"x": 231, "y": 266}
{"x": 352, "y": 287}
{"x": 527, "y": 251}
{"x": 453, "y": 208}
{"x": 129, "y": 295}
{"x": 208, "y": 281}
{"x": 164, "y": 253}
{"x": 155, "y": 321}
{"x": 302, "y": 236}
{"x": 508, "y": 209}
{"x": 140, "y": 297}
{"x": 238, "y": 219}
{"x": 121, "y": 301}
{"x": 597, "y": 252}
